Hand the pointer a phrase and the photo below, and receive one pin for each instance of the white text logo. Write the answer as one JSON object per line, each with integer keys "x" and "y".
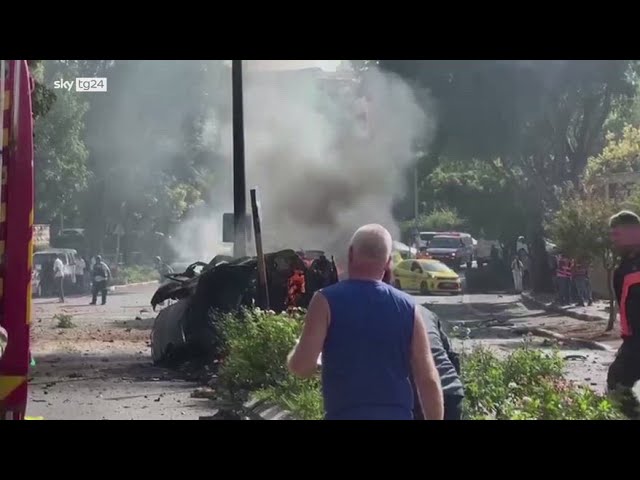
{"x": 82, "y": 84}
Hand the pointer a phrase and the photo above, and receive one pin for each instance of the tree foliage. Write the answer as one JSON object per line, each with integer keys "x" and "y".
{"x": 541, "y": 119}
{"x": 580, "y": 227}
{"x": 438, "y": 220}
{"x": 621, "y": 154}
{"x": 150, "y": 144}
{"x": 482, "y": 192}
{"x": 60, "y": 153}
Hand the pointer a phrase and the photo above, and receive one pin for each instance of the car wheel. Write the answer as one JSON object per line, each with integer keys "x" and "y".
{"x": 424, "y": 288}
{"x": 397, "y": 284}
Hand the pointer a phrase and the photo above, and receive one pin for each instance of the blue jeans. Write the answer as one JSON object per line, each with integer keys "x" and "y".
{"x": 564, "y": 290}
{"x": 583, "y": 286}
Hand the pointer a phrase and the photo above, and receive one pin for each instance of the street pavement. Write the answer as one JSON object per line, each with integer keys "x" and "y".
{"x": 101, "y": 367}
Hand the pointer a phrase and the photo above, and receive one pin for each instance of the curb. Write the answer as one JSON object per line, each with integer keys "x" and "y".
{"x": 261, "y": 410}
{"x": 532, "y": 303}
{"x": 544, "y": 333}
{"x": 120, "y": 287}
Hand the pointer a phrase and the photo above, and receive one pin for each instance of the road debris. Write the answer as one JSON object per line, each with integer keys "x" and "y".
{"x": 204, "y": 392}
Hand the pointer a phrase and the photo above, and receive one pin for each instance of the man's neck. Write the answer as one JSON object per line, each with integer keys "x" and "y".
{"x": 360, "y": 275}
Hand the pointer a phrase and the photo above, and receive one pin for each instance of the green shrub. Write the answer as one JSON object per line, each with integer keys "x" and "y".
{"x": 64, "y": 320}
{"x": 528, "y": 384}
{"x": 301, "y": 397}
{"x": 256, "y": 347}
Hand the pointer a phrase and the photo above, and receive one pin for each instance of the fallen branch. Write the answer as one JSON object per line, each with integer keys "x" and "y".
{"x": 579, "y": 342}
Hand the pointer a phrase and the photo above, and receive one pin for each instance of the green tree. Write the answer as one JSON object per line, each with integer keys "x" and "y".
{"x": 483, "y": 193}
{"x": 42, "y": 97}
{"x": 151, "y": 143}
{"x": 580, "y": 228}
{"x": 438, "y": 220}
{"x": 60, "y": 153}
{"x": 541, "y": 119}
{"x": 620, "y": 155}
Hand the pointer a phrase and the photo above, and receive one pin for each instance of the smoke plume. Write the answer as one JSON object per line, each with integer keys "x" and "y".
{"x": 320, "y": 170}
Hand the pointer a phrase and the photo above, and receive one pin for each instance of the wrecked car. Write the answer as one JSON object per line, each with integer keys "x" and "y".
{"x": 186, "y": 330}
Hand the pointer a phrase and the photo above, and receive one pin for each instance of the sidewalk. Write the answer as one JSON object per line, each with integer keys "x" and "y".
{"x": 598, "y": 312}
{"x": 591, "y": 324}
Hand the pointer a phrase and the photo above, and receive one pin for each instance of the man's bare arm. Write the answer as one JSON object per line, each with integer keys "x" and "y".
{"x": 425, "y": 374}
{"x": 303, "y": 359}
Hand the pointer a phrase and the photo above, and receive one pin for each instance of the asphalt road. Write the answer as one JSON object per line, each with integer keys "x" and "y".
{"x": 101, "y": 367}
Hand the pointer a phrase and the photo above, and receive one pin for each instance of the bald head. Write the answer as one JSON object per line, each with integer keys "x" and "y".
{"x": 370, "y": 251}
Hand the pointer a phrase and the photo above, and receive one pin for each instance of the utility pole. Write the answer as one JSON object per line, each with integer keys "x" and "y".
{"x": 239, "y": 180}
{"x": 415, "y": 194}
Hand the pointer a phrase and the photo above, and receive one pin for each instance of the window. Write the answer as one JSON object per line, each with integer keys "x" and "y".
{"x": 426, "y": 236}
{"x": 445, "y": 242}
{"x": 415, "y": 267}
{"x": 436, "y": 267}
{"x": 403, "y": 265}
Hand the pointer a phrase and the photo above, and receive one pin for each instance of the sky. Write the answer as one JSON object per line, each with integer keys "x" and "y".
{"x": 329, "y": 65}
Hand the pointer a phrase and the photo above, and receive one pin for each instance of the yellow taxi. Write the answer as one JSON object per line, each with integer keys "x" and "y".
{"x": 396, "y": 257}
{"x": 426, "y": 276}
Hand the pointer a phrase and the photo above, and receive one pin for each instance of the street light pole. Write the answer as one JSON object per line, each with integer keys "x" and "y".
{"x": 239, "y": 180}
{"x": 415, "y": 194}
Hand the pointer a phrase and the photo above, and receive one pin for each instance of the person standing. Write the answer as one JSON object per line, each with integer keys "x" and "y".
{"x": 372, "y": 339}
{"x": 624, "y": 372}
{"x": 163, "y": 270}
{"x": 4, "y": 340}
{"x": 580, "y": 274}
{"x": 563, "y": 279}
{"x": 448, "y": 366}
{"x": 517, "y": 270}
{"x": 101, "y": 274}
{"x": 58, "y": 274}
{"x": 81, "y": 266}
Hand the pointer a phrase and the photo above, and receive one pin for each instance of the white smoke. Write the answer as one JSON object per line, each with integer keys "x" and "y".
{"x": 318, "y": 177}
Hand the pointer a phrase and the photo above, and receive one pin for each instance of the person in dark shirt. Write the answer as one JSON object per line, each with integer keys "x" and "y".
{"x": 448, "y": 366}
{"x": 624, "y": 372}
{"x": 101, "y": 274}
{"x": 447, "y": 363}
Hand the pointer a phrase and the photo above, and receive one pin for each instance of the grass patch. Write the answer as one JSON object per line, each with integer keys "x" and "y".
{"x": 63, "y": 320}
{"x": 135, "y": 274}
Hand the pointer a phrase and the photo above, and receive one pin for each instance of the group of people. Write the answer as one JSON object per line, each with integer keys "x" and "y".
{"x": 572, "y": 282}
{"x": 386, "y": 358}
{"x": 98, "y": 273}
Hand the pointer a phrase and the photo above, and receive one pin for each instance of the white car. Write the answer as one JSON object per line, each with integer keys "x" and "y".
{"x": 483, "y": 250}
{"x": 523, "y": 249}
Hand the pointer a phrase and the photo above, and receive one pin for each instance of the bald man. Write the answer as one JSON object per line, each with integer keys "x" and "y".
{"x": 372, "y": 339}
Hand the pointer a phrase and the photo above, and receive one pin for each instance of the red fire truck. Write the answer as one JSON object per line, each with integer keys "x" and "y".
{"x": 16, "y": 231}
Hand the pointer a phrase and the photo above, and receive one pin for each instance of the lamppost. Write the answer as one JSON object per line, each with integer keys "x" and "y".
{"x": 239, "y": 180}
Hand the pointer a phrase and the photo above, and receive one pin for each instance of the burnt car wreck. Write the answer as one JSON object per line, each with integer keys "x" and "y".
{"x": 186, "y": 330}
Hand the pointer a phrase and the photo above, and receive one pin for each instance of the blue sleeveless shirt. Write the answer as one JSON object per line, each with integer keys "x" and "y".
{"x": 366, "y": 359}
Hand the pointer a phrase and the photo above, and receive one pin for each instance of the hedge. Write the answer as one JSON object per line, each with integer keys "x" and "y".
{"x": 525, "y": 384}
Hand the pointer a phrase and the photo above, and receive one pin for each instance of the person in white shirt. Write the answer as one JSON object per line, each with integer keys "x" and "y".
{"x": 517, "y": 270}
{"x": 81, "y": 266}
{"x": 58, "y": 273}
